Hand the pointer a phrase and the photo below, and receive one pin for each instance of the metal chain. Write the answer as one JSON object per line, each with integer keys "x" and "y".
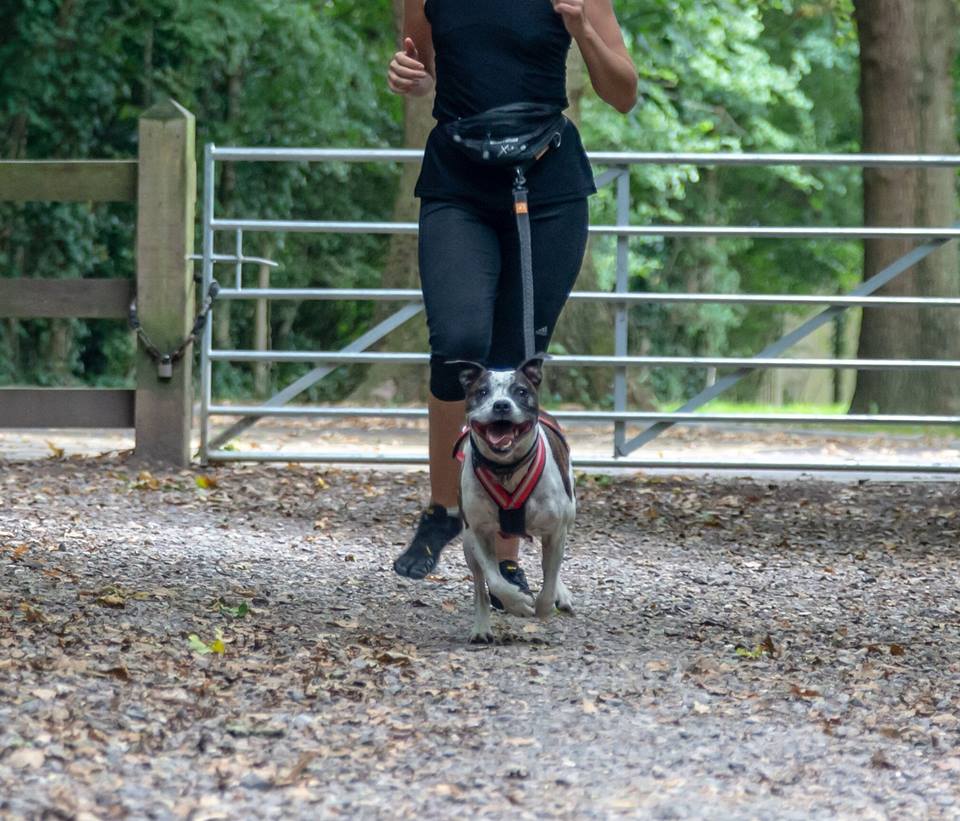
{"x": 166, "y": 361}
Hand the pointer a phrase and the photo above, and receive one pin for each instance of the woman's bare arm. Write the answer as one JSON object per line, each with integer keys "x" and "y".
{"x": 593, "y": 24}
{"x": 417, "y": 28}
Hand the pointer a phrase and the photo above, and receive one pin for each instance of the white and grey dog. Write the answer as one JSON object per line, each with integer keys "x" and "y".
{"x": 516, "y": 480}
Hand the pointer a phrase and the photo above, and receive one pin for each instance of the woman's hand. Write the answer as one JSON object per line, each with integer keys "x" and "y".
{"x": 406, "y": 74}
{"x": 574, "y": 16}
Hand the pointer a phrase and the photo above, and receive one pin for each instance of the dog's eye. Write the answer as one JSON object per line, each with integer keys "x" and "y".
{"x": 481, "y": 392}
{"x": 521, "y": 391}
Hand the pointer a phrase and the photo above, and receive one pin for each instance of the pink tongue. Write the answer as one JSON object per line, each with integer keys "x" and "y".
{"x": 500, "y": 440}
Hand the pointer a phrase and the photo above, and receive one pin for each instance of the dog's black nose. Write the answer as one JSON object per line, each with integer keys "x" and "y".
{"x": 501, "y": 406}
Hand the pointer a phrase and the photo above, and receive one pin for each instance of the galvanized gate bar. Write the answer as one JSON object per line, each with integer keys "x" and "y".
{"x": 620, "y": 324}
{"x": 375, "y": 334}
{"x": 206, "y": 341}
{"x": 315, "y": 226}
{"x": 715, "y": 160}
{"x": 874, "y": 283}
{"x": 615, "y": 297}
{"x": 608, "y": 176}
{"x": 363, "y": 357}
{"x": 308, "y": 411}
{"x": 348, "y": 458}
{"x": 701, "y": 160}
{"x": 756, "y": 231}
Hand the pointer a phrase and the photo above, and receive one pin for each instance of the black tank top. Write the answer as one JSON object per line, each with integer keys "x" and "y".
{"x": 490, "y": 53}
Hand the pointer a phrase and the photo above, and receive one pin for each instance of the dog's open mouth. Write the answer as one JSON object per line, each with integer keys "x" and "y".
{"x": 500, "y": 436}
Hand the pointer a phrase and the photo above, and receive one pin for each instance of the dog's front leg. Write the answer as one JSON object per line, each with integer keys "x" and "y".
{"x": 553, "y": 591}
{"x": 482, "y": 634}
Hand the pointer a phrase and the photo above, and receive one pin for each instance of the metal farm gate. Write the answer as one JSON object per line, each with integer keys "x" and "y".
{"x": 214, "y": 446}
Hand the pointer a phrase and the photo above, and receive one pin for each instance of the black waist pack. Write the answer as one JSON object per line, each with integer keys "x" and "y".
{"x": 514, "y": 134}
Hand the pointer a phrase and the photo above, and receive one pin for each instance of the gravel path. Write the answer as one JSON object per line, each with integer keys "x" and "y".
{"x": 292, "y": 438}
{"x": 741, "y": 649}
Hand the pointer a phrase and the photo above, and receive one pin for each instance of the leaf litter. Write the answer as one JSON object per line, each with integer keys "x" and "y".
{"x": 234, "y": 643}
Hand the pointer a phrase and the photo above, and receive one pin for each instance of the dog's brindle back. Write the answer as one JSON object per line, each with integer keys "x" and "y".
{"x": 559, "y": 448}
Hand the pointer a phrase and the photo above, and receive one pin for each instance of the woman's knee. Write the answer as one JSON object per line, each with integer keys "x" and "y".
{"x": 445, "y": 378}
{"x": 448, "y": 352}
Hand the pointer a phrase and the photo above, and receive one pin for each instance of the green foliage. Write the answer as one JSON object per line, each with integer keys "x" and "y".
{"x": 253, "y": 73}
{"x": 715, "y": 75}
{"x": 732, "y": 75}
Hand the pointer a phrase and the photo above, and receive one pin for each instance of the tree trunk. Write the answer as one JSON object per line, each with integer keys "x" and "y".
{"x": 906, "y": 94}
{"x": 60, "y": 351}
{"x": 385, "y": 381}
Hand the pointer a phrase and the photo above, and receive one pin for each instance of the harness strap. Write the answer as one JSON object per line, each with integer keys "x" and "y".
{"x": 512, "y": 505}
{"x": 458, "y": 445}
{"x": 517, "y": 498}
{"x": 553, "y": 424}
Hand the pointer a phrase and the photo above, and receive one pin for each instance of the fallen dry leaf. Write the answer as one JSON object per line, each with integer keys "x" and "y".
{"x": 26, "y": 758}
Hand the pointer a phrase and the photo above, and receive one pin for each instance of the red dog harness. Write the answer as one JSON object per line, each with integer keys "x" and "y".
{"x": 511, "y": 504}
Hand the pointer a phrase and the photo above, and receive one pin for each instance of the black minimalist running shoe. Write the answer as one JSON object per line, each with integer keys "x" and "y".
{"x": 514, "y": 574}
{"x": 435, "y": 530}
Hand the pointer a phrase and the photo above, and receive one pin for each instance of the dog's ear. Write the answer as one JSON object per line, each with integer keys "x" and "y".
{"x": 533, "y": 369}
{"x": 469, "y": 372}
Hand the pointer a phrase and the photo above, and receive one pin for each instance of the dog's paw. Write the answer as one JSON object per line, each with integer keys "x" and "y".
{"x": 544, "y": 608}
{"x": 564, "y": 600}
{"x": 481, "y": 637}
{"x": 514, "y": 601}
{"x": 561, "y": 601}
{"x": 521, "y": 605}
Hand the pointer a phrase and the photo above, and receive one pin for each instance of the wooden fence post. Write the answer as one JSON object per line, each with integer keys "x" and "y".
{"x": 166, "y": 195}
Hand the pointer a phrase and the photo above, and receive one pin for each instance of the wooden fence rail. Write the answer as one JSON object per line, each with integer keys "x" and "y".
{"x": 162, "y": 182}
{"x": 68, "y": 180}
{"x": 65, "y": 298}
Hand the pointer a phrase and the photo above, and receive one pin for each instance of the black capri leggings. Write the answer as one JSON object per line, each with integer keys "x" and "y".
{"x": 470, "y": 275}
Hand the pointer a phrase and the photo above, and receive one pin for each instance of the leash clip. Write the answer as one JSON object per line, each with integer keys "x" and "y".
{"x": 519, "y": 180}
